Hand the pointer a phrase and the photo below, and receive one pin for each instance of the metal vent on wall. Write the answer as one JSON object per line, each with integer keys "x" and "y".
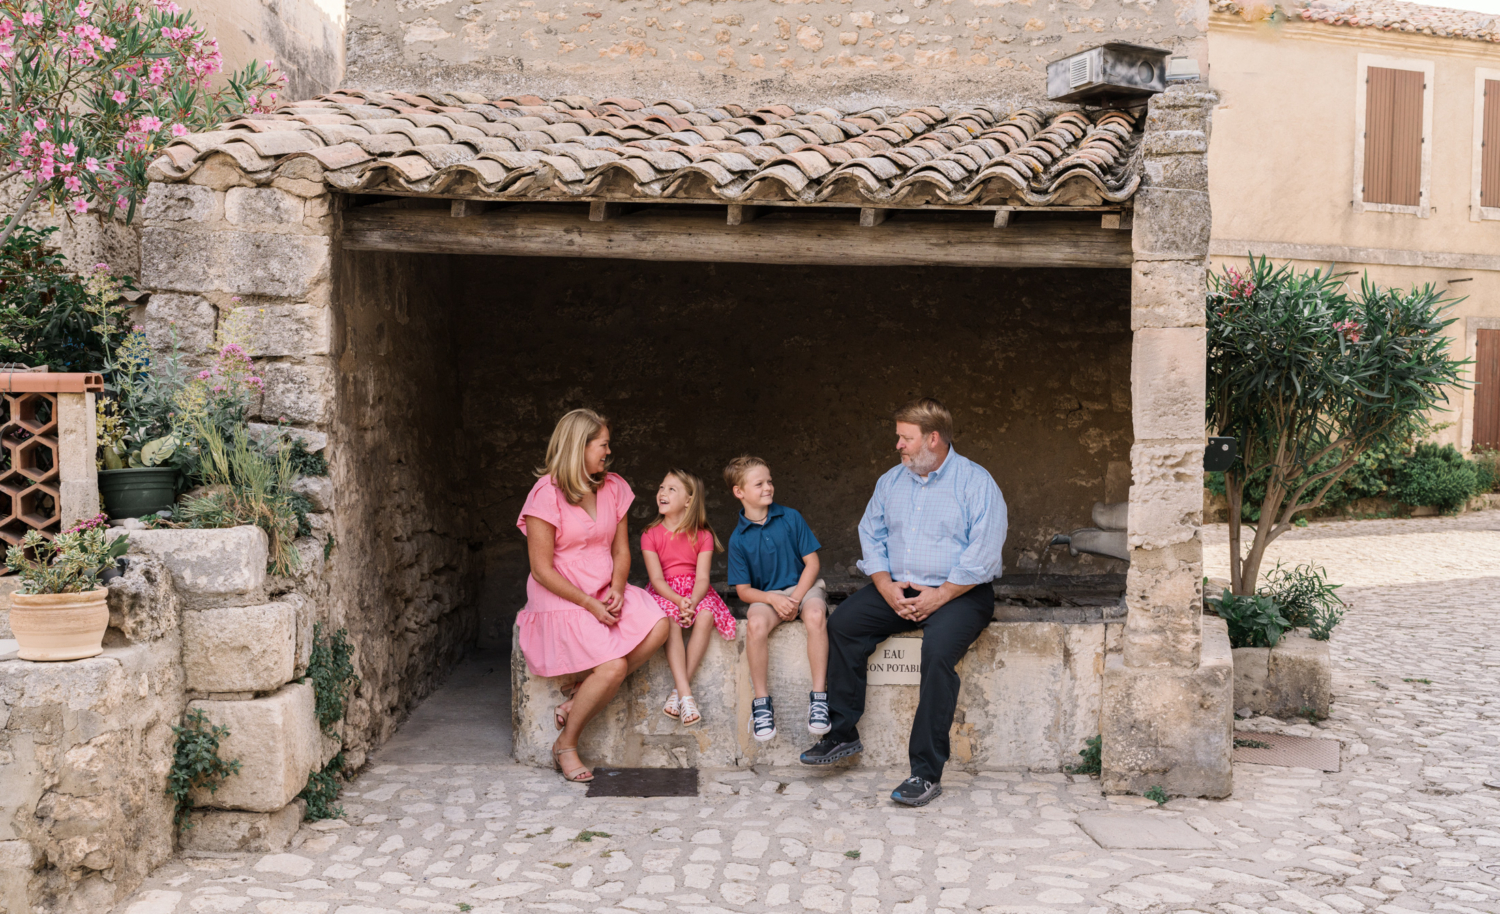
{"x": 1078, "y": 72}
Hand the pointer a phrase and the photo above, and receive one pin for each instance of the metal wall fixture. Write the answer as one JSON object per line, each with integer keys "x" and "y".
{"x": 1113, "y": 75}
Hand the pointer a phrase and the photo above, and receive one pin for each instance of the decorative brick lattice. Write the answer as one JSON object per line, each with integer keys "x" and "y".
{"x": 29, "y": 481}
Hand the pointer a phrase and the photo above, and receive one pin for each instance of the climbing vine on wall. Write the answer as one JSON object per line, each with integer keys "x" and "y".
{"x": 330, "y": 669}
{"x": 196, "y": 763}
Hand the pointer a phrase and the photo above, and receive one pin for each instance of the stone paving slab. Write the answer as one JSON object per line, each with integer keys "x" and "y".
{"x": 1404, "y": 827}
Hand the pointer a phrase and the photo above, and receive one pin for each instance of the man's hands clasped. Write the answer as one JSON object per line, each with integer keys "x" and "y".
{"x": 914, "y": 609}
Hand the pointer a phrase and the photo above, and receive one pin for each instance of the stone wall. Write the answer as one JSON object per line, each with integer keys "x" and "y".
{"x": 86, "y": 746}
{"x": 406, "y": 566}
{"x": 695, "y": 364}
{"x": 819, "y": 52}
{"x": 84, "y": 751}
{"x": 1031, "y": 697}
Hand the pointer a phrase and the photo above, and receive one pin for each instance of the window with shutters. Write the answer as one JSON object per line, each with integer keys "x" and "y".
{"x": 1486, "y": 144}
{"x": 1393, "y": 152}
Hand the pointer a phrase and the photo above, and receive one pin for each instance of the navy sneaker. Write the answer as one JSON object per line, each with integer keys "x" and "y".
{"x": 829, "y": 750}
{"x": 762, "y": 719}
{"x": 916, "y": 792}
{"x": 818, "y": 721}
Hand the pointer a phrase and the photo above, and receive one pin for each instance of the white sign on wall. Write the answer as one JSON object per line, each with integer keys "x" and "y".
{"x": 896, "y": 661}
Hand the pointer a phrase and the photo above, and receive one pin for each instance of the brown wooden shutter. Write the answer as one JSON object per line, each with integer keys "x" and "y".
{"x": 1487, "y": 391}
{"x": 1489, "y": 148}
{"x": 1393, "y": 136}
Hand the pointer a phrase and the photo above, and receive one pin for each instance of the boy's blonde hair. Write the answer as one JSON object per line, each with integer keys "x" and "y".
{"x": 930, "y": 416}
{"x": 734, "y": 474}
{"x": 565, "y": 454}
{"x": 695, "y": 518}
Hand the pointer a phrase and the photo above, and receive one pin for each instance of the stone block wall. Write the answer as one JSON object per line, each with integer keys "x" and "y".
{"x": 85, "y": 746}
{"x": 818, "y": 52}
{"x": 1031, "y": 696}
{"x": 388, "y": 558}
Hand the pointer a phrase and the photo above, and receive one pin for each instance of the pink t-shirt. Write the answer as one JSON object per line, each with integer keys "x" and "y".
{"x": 678, "y": 554}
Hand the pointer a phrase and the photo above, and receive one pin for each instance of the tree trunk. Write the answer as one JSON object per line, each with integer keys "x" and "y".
{"x": 15, "y": 219}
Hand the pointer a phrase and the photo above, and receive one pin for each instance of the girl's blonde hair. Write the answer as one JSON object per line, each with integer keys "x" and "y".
{"x": 695, "y": 518}
{"x": 565, "y": 454}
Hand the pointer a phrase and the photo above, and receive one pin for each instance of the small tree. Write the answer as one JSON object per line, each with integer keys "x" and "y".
{"x": 90, "y": 92}
{"x": 1308, "y": 378}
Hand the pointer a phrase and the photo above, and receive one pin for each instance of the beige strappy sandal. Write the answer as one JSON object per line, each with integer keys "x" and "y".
{"x": 581, "y": 777}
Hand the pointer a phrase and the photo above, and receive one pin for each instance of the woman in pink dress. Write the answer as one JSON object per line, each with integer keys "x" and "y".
{"x": 580, "y": 615}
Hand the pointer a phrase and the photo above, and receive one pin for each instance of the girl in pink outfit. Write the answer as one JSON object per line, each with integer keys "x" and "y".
{"x": 678, "y": 547}
{"x": 580, "y": 615}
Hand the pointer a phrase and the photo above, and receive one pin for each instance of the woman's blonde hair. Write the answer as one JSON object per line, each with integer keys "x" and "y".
{"x": 695, "y": 518}
{"x": 565, "y": 454}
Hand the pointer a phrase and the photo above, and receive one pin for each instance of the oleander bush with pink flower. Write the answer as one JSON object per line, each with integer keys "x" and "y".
{"x": 91, "y": 91}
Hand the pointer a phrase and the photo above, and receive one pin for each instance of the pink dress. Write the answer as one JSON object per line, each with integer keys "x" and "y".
{"x": 558, "y": 637}
{"x": 679, "y": 570}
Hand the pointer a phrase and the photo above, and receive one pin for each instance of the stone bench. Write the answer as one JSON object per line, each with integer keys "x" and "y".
{"x": 1032, "y": 693}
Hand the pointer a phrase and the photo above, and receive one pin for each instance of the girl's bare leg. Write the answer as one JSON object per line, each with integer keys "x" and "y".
{"x": 677, "y": 660}
{"x": 703, "y": 629}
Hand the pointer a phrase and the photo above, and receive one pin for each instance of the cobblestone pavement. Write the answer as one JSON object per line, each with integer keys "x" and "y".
{"x": 1405, "y": 826}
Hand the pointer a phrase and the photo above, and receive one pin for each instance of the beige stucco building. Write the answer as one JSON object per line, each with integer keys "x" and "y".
{"x": 1287, "y": 156}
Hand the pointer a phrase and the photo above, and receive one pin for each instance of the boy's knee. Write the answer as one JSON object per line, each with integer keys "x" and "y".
{"x": 760, "y": 626}
{"x": 814, "y": 616}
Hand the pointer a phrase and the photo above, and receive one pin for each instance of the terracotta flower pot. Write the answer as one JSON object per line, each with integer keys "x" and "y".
{"x": 59, "y": 626}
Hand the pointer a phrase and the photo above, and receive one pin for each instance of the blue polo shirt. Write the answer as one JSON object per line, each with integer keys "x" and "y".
{"x": 768, "y": 556}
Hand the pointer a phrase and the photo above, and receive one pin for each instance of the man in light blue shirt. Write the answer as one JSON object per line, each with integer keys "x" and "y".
{"x": 932, "y": 536}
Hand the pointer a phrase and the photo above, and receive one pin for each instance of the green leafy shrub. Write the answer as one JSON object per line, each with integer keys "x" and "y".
{"x": 305, "y": 462}
{"x": 330, "y": 669}
{"x": 1308, "y": 375}
{"x": 246, "y": 486}
{"x": 50, "y": 315}
{"x": 322, "y": 791}
{"x": 1254, "y": 620}
{"x": 1157, "y": 795}
{"x": 196, "y": 763}
{"x": 1301, "y": 593}
{"x": 1092, "y": 754}
{"x": 1438, "y": 476}
{"x": 1486, "y": 471}
{"x": 1324, "y": 620}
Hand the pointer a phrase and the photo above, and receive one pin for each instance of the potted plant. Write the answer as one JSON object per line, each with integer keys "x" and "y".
{"x": 59, "y": 611}
{"x": 138, "y": 451}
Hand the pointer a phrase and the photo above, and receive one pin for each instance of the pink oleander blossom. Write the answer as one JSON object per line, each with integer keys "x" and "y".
{"x": 1351, "y": 330}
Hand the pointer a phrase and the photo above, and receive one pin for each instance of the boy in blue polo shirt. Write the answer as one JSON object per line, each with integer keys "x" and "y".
{"x": 773, "y": 565}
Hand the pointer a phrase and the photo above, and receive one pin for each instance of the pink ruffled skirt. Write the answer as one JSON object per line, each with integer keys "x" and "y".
{"x": 558, "y": 638}
{"x": 711, "y": 602}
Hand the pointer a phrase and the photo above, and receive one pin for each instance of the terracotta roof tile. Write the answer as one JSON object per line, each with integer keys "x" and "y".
{"x": 1387, "y": 15}
{"x": 573, "y": 146}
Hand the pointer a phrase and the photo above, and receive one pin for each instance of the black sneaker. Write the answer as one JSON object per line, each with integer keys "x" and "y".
{"x": 762, "y": 719}
{"x": 916, "y": 792}
{"x": 818, "y": 721}
{"x": 829, "y": 750}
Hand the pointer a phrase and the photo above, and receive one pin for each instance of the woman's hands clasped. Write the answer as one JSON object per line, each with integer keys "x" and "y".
{"x": 608, "y": 609}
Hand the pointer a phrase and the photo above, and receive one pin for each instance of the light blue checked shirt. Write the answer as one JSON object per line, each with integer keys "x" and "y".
{"x": 950, "y": 527}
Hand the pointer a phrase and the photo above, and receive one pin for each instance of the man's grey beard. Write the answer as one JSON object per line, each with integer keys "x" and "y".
{"x": 924, "y": 462}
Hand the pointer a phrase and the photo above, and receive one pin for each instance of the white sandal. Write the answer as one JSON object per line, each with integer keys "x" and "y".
{"x": 673, "y": 706}
{"x": 689, "y": 710}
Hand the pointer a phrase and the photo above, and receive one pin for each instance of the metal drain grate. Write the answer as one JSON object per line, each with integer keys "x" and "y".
{"x": 644, "y": 782}
{"x": 1289, "y": 751}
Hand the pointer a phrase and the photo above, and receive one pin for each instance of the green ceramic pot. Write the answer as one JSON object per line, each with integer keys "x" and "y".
{"x": 138, "y": 491}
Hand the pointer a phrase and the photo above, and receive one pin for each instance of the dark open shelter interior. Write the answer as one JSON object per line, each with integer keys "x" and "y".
{"x": 454, "y": 370}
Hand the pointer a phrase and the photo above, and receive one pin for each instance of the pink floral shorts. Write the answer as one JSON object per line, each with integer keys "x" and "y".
{"x": 711, "y": 602}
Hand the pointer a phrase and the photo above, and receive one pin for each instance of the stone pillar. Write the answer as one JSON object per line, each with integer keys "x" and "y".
{"x": 77, "y": 442}
{"x": 1168, "y": 716}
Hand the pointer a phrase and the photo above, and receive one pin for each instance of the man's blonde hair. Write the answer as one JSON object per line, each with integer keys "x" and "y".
{"x": 734, "y": 474}
{"x": 695, "y": 518}
{"x": 930, "y": 416}
{"x": 565, "y": 454}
